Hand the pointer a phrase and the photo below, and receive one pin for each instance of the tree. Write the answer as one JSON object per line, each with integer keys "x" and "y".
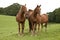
{"x": 1, "y": 11}
{"x": 54, "y": 16}
{"x": 57, "y": 14}
{"x": 10, "y": 10}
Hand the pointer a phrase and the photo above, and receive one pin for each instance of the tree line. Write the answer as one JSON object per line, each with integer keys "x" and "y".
{"x": 10, "y": 10}
{"x": 54, "y": 16}
{"x": 14, "y": 8}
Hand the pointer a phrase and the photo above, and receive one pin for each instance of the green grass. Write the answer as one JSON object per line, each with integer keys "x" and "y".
{"x": 9, "y": 30}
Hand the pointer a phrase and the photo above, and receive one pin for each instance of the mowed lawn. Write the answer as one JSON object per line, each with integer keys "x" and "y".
{"x": 9, "y": 30}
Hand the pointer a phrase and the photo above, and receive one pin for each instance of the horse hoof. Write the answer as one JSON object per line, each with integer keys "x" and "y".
{"x": 22, "y": 34}
{"x": 35, "y": 35}
{"x": 31, "y": 35}
{"x": 18, "y": 34}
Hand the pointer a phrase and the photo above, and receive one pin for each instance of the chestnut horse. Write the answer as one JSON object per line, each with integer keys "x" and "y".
{"x": 20, "y": 18}
{"x": 44, "y": 21}
{"x": 28, "y": 14}
{"x": 32, "y": 18}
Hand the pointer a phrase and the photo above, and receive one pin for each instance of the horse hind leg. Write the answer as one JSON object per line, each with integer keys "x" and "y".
{"x": 45, "y": 27}
{"x": 41, "y": 26}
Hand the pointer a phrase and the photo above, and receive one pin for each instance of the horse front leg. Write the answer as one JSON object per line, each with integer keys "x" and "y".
{"x": 19, "y": 28}
{"x": 22, "y": 28}
{"x": 30, "y": 26}
{"x": 45, "y": 27}
{"x": 38, "y": 27}
{"x": 35, "y": 28}
{"x": 32, "y": 31}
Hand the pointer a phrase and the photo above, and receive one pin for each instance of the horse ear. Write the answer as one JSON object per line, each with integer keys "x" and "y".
{"x": 25, "y": 4}
{"x": 37, "y": 5}
{"x": 40, "y": 5}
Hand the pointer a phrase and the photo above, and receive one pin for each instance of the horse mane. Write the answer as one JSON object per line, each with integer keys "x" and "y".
{"x": 45, "y": 14}
{"x": 30, "y": 10}
{"x": 35, "y": 13}
{"x": 35, "y": 9}
{"x": 21, "y": 11}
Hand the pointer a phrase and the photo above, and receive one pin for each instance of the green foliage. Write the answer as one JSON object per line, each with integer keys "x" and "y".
{"x": 55, "y": 15}
{"x": 1, "y": 10}
{"x": 11, "y": 10}
{"x": 51, "y": 17}
{"x": 9, "y": 30}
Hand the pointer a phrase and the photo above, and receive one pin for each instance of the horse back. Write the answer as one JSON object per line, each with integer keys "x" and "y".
{"x": 44, "y": 18}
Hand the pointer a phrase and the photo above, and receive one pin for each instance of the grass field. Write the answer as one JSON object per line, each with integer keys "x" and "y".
{"x": 9, "y": 30}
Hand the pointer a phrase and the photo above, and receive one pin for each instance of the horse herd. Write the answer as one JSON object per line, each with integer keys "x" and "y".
{"x": 34, "y": 19}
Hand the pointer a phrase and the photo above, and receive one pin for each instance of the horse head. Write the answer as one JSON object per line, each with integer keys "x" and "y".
{"x": 37, "y": 10}
{"x": 29, "y": 12}
{"x": 23, "y": 9}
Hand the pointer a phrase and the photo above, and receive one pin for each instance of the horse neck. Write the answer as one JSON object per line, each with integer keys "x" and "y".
{"x": 35, "y": 13}
{"x": 22, "y": 14}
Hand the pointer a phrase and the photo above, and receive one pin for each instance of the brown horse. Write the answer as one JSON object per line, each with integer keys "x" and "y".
{"x": 33, "y": 18}
{"x": 28, "y": 14}
{"x": 44, "y": 20}
{"x": 20, "y": 18}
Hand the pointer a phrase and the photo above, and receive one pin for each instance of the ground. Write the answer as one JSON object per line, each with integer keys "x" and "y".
{"x": 9, "y": 30}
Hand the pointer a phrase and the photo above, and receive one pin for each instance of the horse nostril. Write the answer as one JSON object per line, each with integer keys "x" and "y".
{"x": 26, "y": 16}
